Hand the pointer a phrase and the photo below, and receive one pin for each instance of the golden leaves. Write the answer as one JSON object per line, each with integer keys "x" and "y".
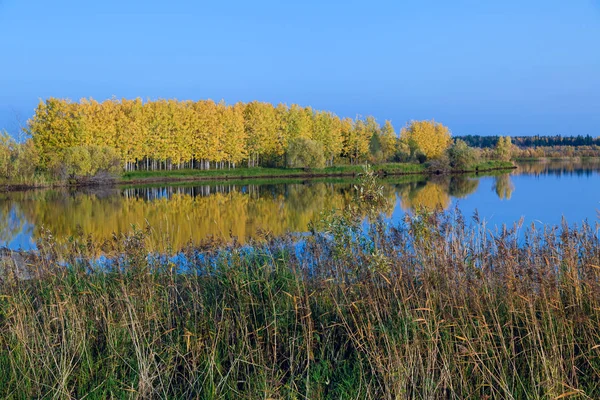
{"x": 429, "y": 137}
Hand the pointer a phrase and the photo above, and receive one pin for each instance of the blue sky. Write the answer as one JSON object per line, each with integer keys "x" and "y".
{"x": 480, "y": 67}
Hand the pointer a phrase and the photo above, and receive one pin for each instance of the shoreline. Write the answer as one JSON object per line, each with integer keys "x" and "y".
{"x": 203, "y": 176}
{"x": 379, "y": 173}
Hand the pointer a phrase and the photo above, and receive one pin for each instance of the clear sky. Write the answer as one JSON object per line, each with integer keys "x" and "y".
{"x": 514, "y": 67}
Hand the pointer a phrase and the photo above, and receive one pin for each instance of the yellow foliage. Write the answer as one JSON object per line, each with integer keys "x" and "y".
{"x": 176, "y": 134}
{"x": 429, "y": 137}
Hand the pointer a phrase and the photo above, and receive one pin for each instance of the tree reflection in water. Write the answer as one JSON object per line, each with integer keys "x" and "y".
{"x": 437, "y": 192}
{"x": 186, "y": 212}
{"x": 174, "y": 213}
{"x": 503, "y": 186}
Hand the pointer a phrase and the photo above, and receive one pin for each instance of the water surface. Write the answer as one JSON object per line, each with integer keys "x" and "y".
{"x": 540, "y": 193}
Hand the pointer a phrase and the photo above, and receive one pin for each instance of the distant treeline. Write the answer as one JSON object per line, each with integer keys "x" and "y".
{"x": 532, "y": 141}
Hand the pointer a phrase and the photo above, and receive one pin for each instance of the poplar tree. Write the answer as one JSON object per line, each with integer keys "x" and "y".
{"x": 429, "y": 137}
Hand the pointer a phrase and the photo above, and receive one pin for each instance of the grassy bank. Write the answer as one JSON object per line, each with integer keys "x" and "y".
{"x": 258, "y": 172}
{"x": 241, "y": 174}
{"x": 274, "y": 173}
{"x": 431, "y": 308}
{"x": 491, "y": 165}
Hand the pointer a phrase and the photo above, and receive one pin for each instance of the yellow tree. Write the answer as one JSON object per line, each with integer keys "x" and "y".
{"x": 503, "y": 149}
{"x": 107, "y": 134}
{"x": 130, "y": 131}
{"x": 270, "y": 148}
{"x": 51, "y": 129}
{"x": 185, "y": 115}
{"x": 218, "y": 155}
{"x": 234, "y": 135}
{"x": 387, "y": 140}
{"x": 327, "y": 131}
{"x": 178, "y": 148}
{"x": 160, "y": 134}
{"x": 203, "y": 124}
{"x": 298, "y": 123}
{"x": 429, "y": 137}
{"x": 356, "y": 140}
{"x": 308, "y": 123}
{"x": 346, "y": 129}
{"x": 259, "y": 124}
{"x": 97, "y": 124}
{"x": 146, "y": 147}
{"x": 282, "y": 131}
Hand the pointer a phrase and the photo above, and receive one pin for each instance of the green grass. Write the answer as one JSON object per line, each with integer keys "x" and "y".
{"x": 264, "y": 175}
{"x": 492, "y": 165}
{"x": 256, "y": 172}
{"x": 278, "y": 173}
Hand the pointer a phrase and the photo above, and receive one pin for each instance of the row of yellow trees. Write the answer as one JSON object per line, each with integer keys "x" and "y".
{"x": 166, "y": 134}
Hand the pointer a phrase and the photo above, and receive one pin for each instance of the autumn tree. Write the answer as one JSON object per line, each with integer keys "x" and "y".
{"x": 53, "y": 128}
{"x": 282, "y": 116}
{"x": 86, "y": 161}
{"x": 429, "y": 137}
{"x": 503, "y": 149}
{"x": 357, "y": 138}
{"x": 261, "y": 130}
{"x": 299, "y": 123}
{"x": 204, "y": 141}
{"x": 387, "y": 140}
{"x": 327, "y": 130}
{"x": 234, "y": 135}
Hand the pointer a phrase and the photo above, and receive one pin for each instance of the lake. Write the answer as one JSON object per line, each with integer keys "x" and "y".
{"x": 539, "y": 192}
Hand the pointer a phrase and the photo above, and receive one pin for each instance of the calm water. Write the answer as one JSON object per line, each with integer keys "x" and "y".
{"x": 541, "y": 193}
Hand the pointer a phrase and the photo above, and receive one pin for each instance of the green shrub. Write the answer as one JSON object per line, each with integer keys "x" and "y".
{"x": 461, "y": 156}
{"x": 106, "y": 159}
{"x": 17, "y": 160}
{"x": 78, "y": 161}
{"x": 305, "y": 153}
{"x": 86, "y": 161}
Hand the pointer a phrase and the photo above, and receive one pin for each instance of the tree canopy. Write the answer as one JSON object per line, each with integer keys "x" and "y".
{"x": 503, "y": 148}
{"x": 166, "y": 134}
{"x": 428, "y": 137}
